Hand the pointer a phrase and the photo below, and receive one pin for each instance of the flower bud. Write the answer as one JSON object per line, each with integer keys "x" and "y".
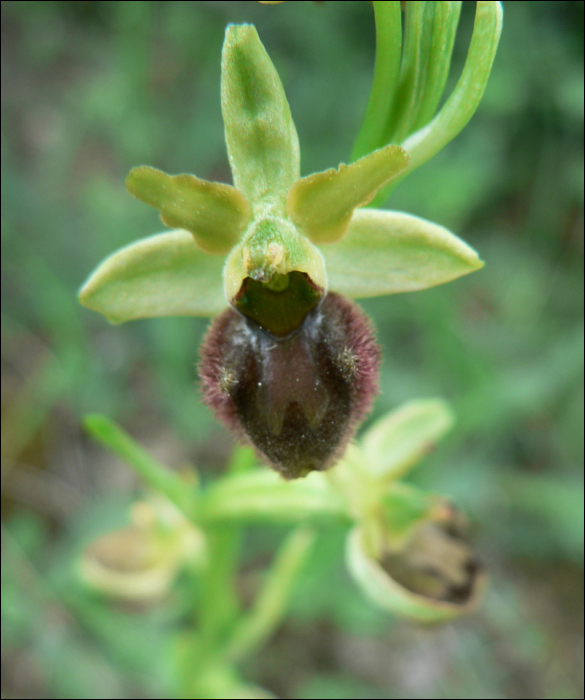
{"x": 297, "y": 398}
{"x": 138, "y": 563}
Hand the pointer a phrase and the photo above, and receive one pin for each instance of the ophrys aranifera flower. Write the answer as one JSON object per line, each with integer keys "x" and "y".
{"x": 289, "y": 364}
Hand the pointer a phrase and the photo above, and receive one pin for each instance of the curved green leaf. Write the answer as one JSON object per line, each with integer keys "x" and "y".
{"x": 465, "y": 99}
{"x": 163, "y": 275}
{"x": 445, "y": 21}
{"x": 386, "y": 72}
{"x": 387, "y": 252}
{"x": 215, "y": 213}
{"x": 418, "y": 35}
{"x": 461, "y": 105}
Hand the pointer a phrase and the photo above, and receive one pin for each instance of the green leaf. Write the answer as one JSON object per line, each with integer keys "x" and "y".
{"x": 399, "y": 440}
{"x": 461, "y": 105}
{"x": 418, "y": 34}
{"x": 464, "y": 100}
{"x": 156, "y": 475}
{"x": 386, "y": 72}
{"x": 216, "y": 214}
{"x": 386, "y": 252}
{"x": 261, "y": 138}
{"x": 445, "y": 21}
{"x": 163, "y": 275}
{"x": 321, "y": 205}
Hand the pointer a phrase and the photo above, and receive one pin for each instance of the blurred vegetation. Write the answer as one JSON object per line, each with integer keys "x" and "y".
{"x": 91, "y": 89}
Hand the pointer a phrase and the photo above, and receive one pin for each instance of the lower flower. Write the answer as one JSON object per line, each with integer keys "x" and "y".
{"x": 431, "y": 574}
{"x": 299, "y": 398}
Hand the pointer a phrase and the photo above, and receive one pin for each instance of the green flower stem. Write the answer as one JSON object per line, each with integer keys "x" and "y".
{"x": 361, "y": 490}
{"x": 386, "y": 72}
{"x": 219, "y": 606}
{"x": 263, "y": 496}
{"x": 270, "y": 604}
{"x": 462, "y": 103}
{"x": 243, "y": 460}
{"x": 155, "y": 474}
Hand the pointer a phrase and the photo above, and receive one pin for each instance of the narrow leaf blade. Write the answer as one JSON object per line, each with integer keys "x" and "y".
{"x": 466, "y": 96}
{"x": 386, "y": 72}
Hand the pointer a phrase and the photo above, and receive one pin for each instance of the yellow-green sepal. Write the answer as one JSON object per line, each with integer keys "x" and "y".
{"x": 261, "y": 137}
{"x": 399, "y": 440}
{"x": 321, "y": 205}
{"x": 216, "y": 214}
{"x": 162, "y": 275}
{"x": 386, "y": 252}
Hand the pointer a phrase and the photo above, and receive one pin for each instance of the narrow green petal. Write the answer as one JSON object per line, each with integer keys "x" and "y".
{"x": 261, "y": 138}
{"x": 401, "y": 439}
{"x": 321, "y": 205}
{"x": 216, "y": 214}
{"x": 386, "y": 252}
{"x": 163, "y": 275}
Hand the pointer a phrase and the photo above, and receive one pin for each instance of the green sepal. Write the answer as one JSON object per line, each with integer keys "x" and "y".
{"x": 321, "y": 205}
{"x": 261, "y": 137}
{"x": 215, "y": 213}
{"x": 162, "y": 275}
{"x": 387, "y": 252}
{"x": 262, "y": 495}
{"x": 399, "y": 440}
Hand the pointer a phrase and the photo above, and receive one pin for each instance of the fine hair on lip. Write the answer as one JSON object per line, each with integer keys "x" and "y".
{"x": 297, "y": 399}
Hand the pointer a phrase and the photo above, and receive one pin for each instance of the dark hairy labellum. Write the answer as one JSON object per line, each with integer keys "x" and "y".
{"x": 297, "y": 399}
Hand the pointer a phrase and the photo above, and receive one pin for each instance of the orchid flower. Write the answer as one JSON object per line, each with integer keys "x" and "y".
{"x": 289, "y": 363}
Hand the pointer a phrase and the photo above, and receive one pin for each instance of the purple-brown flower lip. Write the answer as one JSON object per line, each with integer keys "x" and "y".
{"x": 297, "y": 397}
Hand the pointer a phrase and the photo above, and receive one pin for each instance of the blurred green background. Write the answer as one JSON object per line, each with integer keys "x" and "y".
{"x": 91, "y": 89}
